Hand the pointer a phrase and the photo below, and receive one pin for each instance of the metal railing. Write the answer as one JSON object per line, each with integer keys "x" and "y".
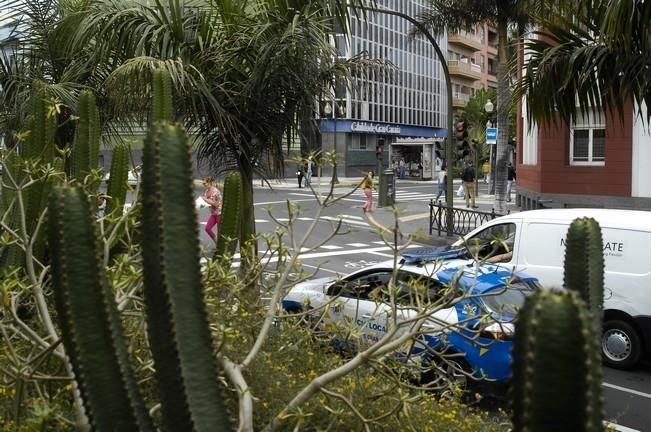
{"x": 463, "y": 220}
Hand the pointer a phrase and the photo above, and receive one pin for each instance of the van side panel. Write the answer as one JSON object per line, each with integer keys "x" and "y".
{"x": 541, "y": 251}
{"x": 627, "y": 264}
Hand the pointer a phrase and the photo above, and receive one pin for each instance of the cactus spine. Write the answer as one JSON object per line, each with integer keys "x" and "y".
{"x": 178, "y": 329}
{"x": 85, "y": 150}
{"x": 556, "y": 354}
{"x": 584, "y": 263}
{"x": 229, "y": 226}
{"x": 89, "y": 319}
{"x": 117, "y": 186}
{"x": 162, "y": 96}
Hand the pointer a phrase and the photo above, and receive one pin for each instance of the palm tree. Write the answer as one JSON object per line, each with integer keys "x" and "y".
{"x": 28, "y": 53}
{"x": 601, "y": 56}
{"x": 456, "y": 15}
{"x": 246, "y": 74}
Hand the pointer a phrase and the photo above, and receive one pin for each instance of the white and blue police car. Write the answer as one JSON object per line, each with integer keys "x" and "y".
{"x": 471, "y": 309}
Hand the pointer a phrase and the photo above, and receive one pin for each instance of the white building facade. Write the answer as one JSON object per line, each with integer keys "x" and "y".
{"x": 399, "y": 110}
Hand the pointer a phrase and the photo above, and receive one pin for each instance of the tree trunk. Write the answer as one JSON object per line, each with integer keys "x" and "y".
{"x": 503, "y": 100}
{"x": 248, "y": 244}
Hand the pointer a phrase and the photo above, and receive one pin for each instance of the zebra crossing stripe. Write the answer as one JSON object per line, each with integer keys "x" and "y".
{"x": 357, "y": 245}
{"x": 349, "y": 221}
{"x": 352, "y": 217}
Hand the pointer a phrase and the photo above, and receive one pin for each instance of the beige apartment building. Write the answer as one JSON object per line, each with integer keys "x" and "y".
{"x": 472, "y": 62}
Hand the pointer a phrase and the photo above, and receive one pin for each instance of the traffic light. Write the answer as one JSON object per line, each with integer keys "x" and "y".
{"x": 463, "y": 148}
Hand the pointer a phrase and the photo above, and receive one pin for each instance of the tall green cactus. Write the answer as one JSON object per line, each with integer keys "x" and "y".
{"x": 178, "y": 329}
{"x": 556, "y": 352}
{"x": 37, "y": 147}
{"x": 162, "y": 96}
{"x": 85, "y": 149}
{"x": 89, "y": 319}
{"x": 584, "y": 262}
{"x": 556, "y": 366}
{"x": 177, "y": 323}
{"x": 229, "y": 227}
{"x": 117, "y": 184}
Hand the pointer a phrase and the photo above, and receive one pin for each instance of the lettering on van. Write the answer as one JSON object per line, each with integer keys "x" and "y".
{"x": 614, "y": 249}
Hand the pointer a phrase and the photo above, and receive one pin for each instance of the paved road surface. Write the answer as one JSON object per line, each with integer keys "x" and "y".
{"x": 627, "y": 394}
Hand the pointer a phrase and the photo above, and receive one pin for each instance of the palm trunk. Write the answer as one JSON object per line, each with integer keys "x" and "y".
{"x": 248, "y": 245}
{"x": 503, "y": 100}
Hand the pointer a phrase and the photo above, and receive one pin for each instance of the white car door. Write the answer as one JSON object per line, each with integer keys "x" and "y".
{"x": 358, "y": 311}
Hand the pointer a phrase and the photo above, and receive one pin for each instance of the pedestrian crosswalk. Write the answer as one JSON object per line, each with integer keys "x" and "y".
{"x": 406, "y": 196}
{"x": 355, "y": 249}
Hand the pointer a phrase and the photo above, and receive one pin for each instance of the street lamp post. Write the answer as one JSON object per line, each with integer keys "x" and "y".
{"x": 332, "y": 109}
{"x": 449, "y": 155}
{"x": 489, "y": 107}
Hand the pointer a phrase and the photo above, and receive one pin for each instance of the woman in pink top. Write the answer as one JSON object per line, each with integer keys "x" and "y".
{"x": 213, "y": 198}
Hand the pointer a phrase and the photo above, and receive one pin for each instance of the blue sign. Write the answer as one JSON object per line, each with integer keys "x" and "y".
{"x": 491, "y": 135}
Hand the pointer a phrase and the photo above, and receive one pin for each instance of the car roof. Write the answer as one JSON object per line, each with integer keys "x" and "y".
{"x": 478, "y": 277}
{"x": 631, "y": 219}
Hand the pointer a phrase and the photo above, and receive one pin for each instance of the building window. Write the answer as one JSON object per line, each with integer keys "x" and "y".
{"x": 357, "y": 142}
{"x": 588, "y": 139}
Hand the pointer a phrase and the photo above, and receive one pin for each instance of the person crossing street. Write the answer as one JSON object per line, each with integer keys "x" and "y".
{"x": 468, "y": 178}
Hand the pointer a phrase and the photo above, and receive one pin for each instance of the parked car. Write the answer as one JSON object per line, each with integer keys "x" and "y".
{"x": 534, "y": 242}
{"x": 478, "y": 328}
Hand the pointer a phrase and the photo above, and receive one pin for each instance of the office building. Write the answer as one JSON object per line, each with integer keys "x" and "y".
{"x": 400, "y": 111}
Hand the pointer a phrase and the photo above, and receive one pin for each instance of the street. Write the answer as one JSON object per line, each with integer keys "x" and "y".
{"x": 627, "y": 394}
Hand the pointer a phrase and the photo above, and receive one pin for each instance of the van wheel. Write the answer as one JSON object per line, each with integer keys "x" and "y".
{"x": 620, "y": 345}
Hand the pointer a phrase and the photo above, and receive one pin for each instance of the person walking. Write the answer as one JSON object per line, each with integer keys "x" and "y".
{"x": 468, "y": 178}
{"x": 443, "y": 179}
{"x": 213, "y": 197}
{"x": 401, "y": 166}
{"x": 308, "y": 172}
{"x": 367, "y": 185}
{"x": 510, "y": 180}
{"x": 299, "y": 177}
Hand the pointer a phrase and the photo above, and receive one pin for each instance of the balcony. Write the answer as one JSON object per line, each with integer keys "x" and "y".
{"x": 464, "y": 70}
{"x": 466, "y": 40}
{"x": 459, "y": 100}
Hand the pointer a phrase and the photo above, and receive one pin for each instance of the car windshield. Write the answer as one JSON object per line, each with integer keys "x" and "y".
{"x": 506, "y": 301}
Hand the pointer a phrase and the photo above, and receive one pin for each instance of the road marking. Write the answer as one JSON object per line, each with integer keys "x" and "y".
{"x": 382, "y": 254}
{"x": 300, "y": 194}
{"x": 413, "y": 217}
{"x": 341, "y": 252}
{"x": 281, "y": 202}
{"x": 320, "y": 268}
{"x": 352, "y": 217}
{"x": 261, "y": 221}
{"x": 627, "y": 390}
{"x": 357, "y": 244}
{"x": 331, "y": 247}
{"x": 336, "y": 219}
{"x": 619, "y": 427}
{"x": 305, "y": 219}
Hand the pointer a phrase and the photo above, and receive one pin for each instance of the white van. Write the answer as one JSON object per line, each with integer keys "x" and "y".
{"x": 537, "y": 241}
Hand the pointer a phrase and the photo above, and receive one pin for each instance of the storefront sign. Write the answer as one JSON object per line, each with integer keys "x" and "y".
{"x": 376, "y": 128}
